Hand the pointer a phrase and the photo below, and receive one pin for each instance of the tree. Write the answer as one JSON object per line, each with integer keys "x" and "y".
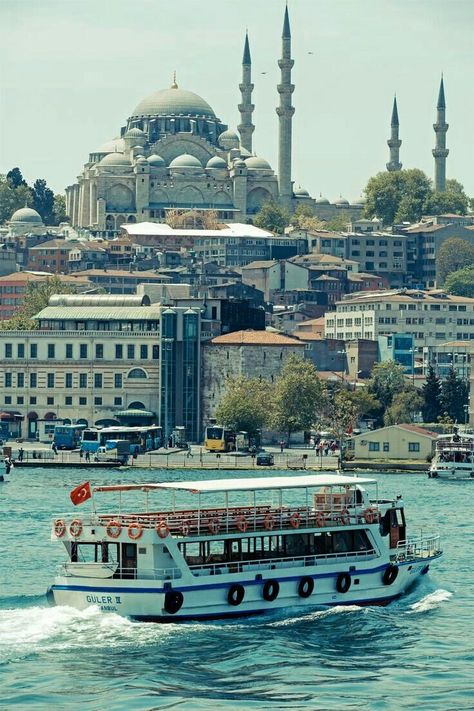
{"x": 454, "y": 254}
{"x": 454, "y": 396}
{"x": 37, "y": 296}
{"x": 304, "y": 219}
{"x": 43, "y": 201}
{"x": 12, "y": 199}
{"x": 460, "y": 282}
{"x": 431, "y": 392}
{"x": 15, "y": 178}
{"x": 272, "y": 217}
{"x": 387, "y": 380}
{"x": 366, "y": 403}
{"x": 244, "y": 404}
{"x": 405, "y": 405}
{"x": 397, "y": 196}
{"x": 452, "y": 200}
{"x": 297, "y": 397}
{"x": 339, "y": 223}
{"x": 59, "y": 210}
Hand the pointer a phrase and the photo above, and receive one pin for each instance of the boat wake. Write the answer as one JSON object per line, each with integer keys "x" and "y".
{"x": 430, "y": 601}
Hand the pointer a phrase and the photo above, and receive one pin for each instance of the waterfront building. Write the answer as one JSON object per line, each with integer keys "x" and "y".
{"x": 394, "y": 442}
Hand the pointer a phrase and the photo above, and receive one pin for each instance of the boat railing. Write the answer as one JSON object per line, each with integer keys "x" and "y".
{"x": 243, "y": 519}
{"x": 271, "y": 563}
{"x": 418, "y": 548}
{"x": 447, "y": 444}
{"x": 96, "y": 570}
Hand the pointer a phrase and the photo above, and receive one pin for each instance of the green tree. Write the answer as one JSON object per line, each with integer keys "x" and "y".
{"x": 297, "y": 397}
{"x": 37, "y": 296}
{"x": 339, "y": 223}
{"x": 454, "y": 254}
{"x": 245, "y": 404}
{"x": 366, "y": 403}
{"x": 454, "y": 396}
{"x": 397, "y": 196}
{"x": 461, "y": 282}
{"x": 43, "y": 201}
{"x": 15, "y": 178}
{"x": 272, "y": 217}
{"x": 387, "y": 380}
{"x": 59, "y": 210}
{"x": 431, "y": 393}
{"x": 12, "y": 199}
{"x": 452, "y": 200}
{"x": 405, "y": 405}
{"x": 305, "y": 219}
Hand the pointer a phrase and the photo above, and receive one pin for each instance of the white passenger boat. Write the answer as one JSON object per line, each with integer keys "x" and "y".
{"x": 454, "y": 457}
{"x": 245, "y": 546}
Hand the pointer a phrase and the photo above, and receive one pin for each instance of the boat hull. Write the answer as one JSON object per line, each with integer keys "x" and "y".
{"x": 205, "y": 598}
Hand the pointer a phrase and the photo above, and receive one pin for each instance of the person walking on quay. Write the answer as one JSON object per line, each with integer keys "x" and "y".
{"x": 8, "y": 465}
{"x": 54, "y": 448}
{"x": 21, "y": 452}
{"x": 189, "y": 453}
{"x": 88, "y": 456}
{"x": 282, "y": 446}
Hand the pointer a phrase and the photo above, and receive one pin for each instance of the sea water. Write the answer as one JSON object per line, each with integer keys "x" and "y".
{"x": 416, "y": 653}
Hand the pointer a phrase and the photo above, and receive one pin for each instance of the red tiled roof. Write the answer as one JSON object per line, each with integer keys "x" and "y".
{"x": 419, "y": 430}
{"x": 255, "y": 338}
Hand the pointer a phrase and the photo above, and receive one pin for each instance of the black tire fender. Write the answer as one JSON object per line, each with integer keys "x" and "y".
{"x": 173, "y": 601}
{"x": 390, "y": 574}
{"x": 235, "y": 594}
{"x": 305, "y": 586}
{"x": 270, "y": 590}
{"x": 343, "y": 582}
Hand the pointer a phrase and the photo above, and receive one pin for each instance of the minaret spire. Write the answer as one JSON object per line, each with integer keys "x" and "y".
{"x": 394, "y": 141}
{"x": 285, "y": 113}
{"x": 440, "y": 152}
{"x": 246, "y": 127}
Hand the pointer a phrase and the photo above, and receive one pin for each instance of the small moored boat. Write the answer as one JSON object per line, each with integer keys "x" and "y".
{"x": 243, "y": 546}
{"x": 454, "y": 457}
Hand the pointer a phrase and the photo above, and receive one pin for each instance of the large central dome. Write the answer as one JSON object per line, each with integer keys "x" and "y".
{"x": 172, "y": 102}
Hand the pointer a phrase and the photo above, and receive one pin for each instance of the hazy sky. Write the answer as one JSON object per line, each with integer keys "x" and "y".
{"x": 72, "y": 71}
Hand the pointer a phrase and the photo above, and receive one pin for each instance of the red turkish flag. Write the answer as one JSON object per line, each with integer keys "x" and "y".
{"x": 81, "y": 493}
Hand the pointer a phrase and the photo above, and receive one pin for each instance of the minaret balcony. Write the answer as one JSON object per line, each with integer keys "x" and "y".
{"x": 394, "y": 143}
{"x": 246, "y": 87}
{"x": 246, "y": 108}
{"x": 441, "y": 127}
{"x": 285, "y": 111}
{"x": 285, "y": 88}
{"x": 286, "y": 63}
{"x": 440, "y": 152}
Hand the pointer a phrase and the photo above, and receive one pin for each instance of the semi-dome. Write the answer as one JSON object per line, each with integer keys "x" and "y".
{"x": 239, "y": 163}
{"x": 322, "y": 201}
{"x": 142, "y": 160}
{"x": 116, "y": 144}
{"x": 228, "y": 140}
{"x": 173, "y": 102}
{"x": 255, "y": 163}
{"x": 114, "y": 159}
{"x": 156, "y": 161}
{"x": 301, "y": 192}
{"x": 135, "y": 132}
{"x": 216, "y": 162}
{"x": 185, "y": 161}
{"x": 341, "y": 201}
{"x": 245, "y": 153}
{"x": 27, "y": 214}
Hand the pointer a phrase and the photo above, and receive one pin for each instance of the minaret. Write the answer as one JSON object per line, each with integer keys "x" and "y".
{"x": 394, "y": 142}
{"x": 285, "y": 112}
{"x": 246, "y": 127}
{"x": 440, "y": 152}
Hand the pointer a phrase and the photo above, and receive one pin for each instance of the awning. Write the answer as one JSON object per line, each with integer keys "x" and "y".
{"x": 135, "y": 413}
{"x": 10, "y": 416}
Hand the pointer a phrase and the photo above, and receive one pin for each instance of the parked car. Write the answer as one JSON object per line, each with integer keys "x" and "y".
{"x": 265, "y": 459}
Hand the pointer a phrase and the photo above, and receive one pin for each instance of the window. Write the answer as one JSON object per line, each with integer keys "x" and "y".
{"x": 82, "y": 401}
{"x": 83, "y": 350}
{"x": 117, "y": 400}
{"x": 97, "y": 380}
{"x": 20, "y": 380}
{"x": 68, "y": 400}
{"x": 413, "y": 446}
{"x": 8, "y": 399}
{"x": 118, "y": 380}
{"x": 386, "y": 446}
{"x": 155, "y": 352}
{"x": 137, "y": 373}
{"x": 130, "y": 351}
{"x": 8, "y": 380}
{"x": 83, "y": 380}
{"x": 50, "y": 400}
{"x": 33, "y": 350}
{"x": 20, "y": 400}
{"x": 20, "y": 350}
{"x": 68, "y": 380}
{"x": 143, "y": 352}
{"x": 32, "y": 400}
{"x": 33, "y": 380}
{"x": 51, "y": 350}
{"x": 97, "y": 401}
{"x": 118, "y": 351}
{"x": 50, "y": 380}
{"x": 374, "y": 446}
{"x": 99, "y": 350}
{"x": 8, "y": 350}
{"x": 69, "y": 350}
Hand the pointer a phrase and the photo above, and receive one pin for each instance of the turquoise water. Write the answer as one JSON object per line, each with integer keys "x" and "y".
{"x": 416, "y": 653}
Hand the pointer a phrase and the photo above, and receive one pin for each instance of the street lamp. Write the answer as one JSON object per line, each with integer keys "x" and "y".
{"x": 466, "y": 413}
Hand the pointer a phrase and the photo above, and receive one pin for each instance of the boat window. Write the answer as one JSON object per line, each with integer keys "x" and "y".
{"x": 399, "y": 517}
{"x": 94, "y": 552}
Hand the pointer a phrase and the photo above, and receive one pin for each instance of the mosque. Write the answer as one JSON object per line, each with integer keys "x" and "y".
{"x": 175, "y": 154}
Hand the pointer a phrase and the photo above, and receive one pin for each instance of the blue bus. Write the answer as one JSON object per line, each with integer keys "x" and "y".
{"x": 68, "y": 436}
{"x": 142, "y": 439}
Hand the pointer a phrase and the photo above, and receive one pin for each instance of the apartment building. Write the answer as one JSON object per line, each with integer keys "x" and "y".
{"x": 431, "y": 317}
{"x": 13, "y": 288}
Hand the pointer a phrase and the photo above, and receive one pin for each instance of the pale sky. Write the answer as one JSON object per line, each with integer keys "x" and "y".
{"x": 72, "y": 71}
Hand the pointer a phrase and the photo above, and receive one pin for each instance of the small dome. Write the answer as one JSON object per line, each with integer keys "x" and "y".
{"x": 245, "y": 153}
{"x": 322, "y": 201}
{"x": 138, "y": 150}
{"x": 359, "y": 201}
{"x": 301, "y": 192}
{"x": 185, "y": 161}
{"x": 255, "y": 163}
{"x": 116, "y": 144}
{"x": 114, "y": 159}
{"x": 135, "y": 133}
{"x": 156, "y": 161}
{"x": 228, "y": 140}
{"x": 239, "y": 163}
{"x": 26, "y": 214}
{"x": 216, "y": 162}
{"x": 142, "y": 160}
{"x": 341, "y": 201}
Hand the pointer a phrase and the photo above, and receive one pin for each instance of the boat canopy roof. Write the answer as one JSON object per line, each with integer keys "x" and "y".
{"x": 249, "y": 484}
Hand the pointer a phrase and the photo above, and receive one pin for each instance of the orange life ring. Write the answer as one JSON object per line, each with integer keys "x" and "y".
{"x": 320, "y": 519}
{"x": 162, "y": 529}
{"x": 214, "y": 525}
{"x": 241, "y": 524}
{"x": 345, "y": 517}
{"x": 75, "y": 528}
{"x": 295, "y": 520}
{"x": 114, "y": 528}
{"x": 370, "y": 515}
{"x": 269, "y": 522}
{"x": 59, "y": 528}
{"x": 135, "y": 531}
{"x": 184, "y": 528}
